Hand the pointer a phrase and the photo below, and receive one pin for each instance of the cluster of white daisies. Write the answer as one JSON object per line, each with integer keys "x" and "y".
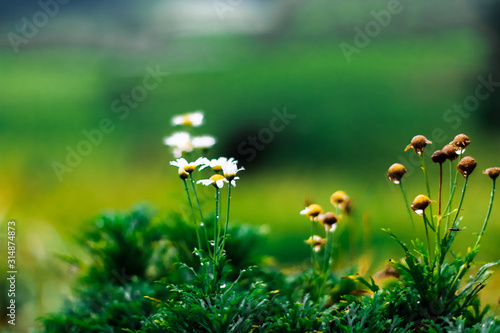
{"x": 225, "y": 170}
{"x": 182, "y": 142}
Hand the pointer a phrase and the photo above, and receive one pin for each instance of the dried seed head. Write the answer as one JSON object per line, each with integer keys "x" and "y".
{"x": 328, "y": 220}
{"x": 420, "y": 204}
{"x": 316, "y": 242}
{"x": 439, "y": 156}
{"x": 418, "y": 144}
{"x": 466, "y": 166}
{"x": 341, "y": 200}
{"x": 492, "y": 172}
{"x": 460, "y": 142}
{"x": 451, "y": 152}
{"x": 396, "y": 172}
{"x": 312, "y": 211}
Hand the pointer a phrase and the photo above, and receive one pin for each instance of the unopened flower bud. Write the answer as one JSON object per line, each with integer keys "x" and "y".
{"x": 341, "y": 200}
{"x": 396, "y": 172}
{"x": 439, "y": 156}
{"x": 418, "y": 144}
{"x": 466, "y": 166}
{"x": 420, "y": 204}
{"x": 492, "y": 172}
{"x": 316, "y": 242}
{"x": 460, "y": 142}
{"x": 312, "y": 211}
{"x": 451, "y": 152}
{"x": 329, "y": 220}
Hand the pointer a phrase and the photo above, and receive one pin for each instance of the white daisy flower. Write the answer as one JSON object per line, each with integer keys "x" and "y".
{"x": 216, "y": 163}
{"x": 193, "y": 119}
{"x": 180, "y": 142}
{"x": 186, "y": 166}
{"x": 216, "y": 180}
{"x": 203, "y": 142}
{"x": 230, "y": 169}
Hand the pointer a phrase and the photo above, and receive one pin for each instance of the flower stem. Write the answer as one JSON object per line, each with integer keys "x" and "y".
{"x": 193, "y": 214}
{"x": 428, "y": 242}
{"x": 460, "y": 202}
{"x": 227, "y": 218}
{"x": 201, "y": 214}
{"x": 452, "y": 190}
{"x": 427, "y": 185}
{"x": 312, "y": 248}
{"x": 492, "y": 197}
{"x": 438, "y": 226}
{"x": 216, "y": 224}
{"x": 407, "y": 207}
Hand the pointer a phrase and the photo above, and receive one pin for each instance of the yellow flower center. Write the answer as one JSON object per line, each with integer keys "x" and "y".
{"x": 215, "y": 178}
{"x": 186, "y": 121}
{"x": 189, "y": 168}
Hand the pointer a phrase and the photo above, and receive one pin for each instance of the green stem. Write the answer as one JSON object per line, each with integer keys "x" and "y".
{"x": 201, "y": 214}
{"x": 438, "y": 224}
{"x": 428, "y": 242}
{"x": 216, "y": 224}
{"x": 460, "y": 202}
{"x": 326, "y": 265}
{"x": 312, "y": 247}
{"x": 227, "y": 217}
{"x": 452, "y": 190}
{"x": 427, "y": 185}
{"x": 192, "y": 214}
{"x": 492, "y": 197}
{"x": 408, "y": 207}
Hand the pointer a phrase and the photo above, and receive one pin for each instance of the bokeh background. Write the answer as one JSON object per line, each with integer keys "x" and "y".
{"x": 358, "y": 78}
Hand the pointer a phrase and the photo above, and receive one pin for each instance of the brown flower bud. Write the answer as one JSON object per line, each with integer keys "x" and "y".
{"x": 460, "y": 142}
{"x": 316, "y": 242}
{"x": 466, "y": 166}
{"x": 312, "y": 211}
{"x": 439, "y": 156}
{"x": 418, "y": 144}
{"x": 396, "y": 172}
{"x": 492, "y": 172}
{"x": 420, "y": 204}
{"x": 341, "y": 200}
{"x": 328, "y": 220}
{"x": 451, "y": 152}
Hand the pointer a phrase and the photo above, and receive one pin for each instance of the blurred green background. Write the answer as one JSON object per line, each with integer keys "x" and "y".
{"x": 241, "y": 62}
